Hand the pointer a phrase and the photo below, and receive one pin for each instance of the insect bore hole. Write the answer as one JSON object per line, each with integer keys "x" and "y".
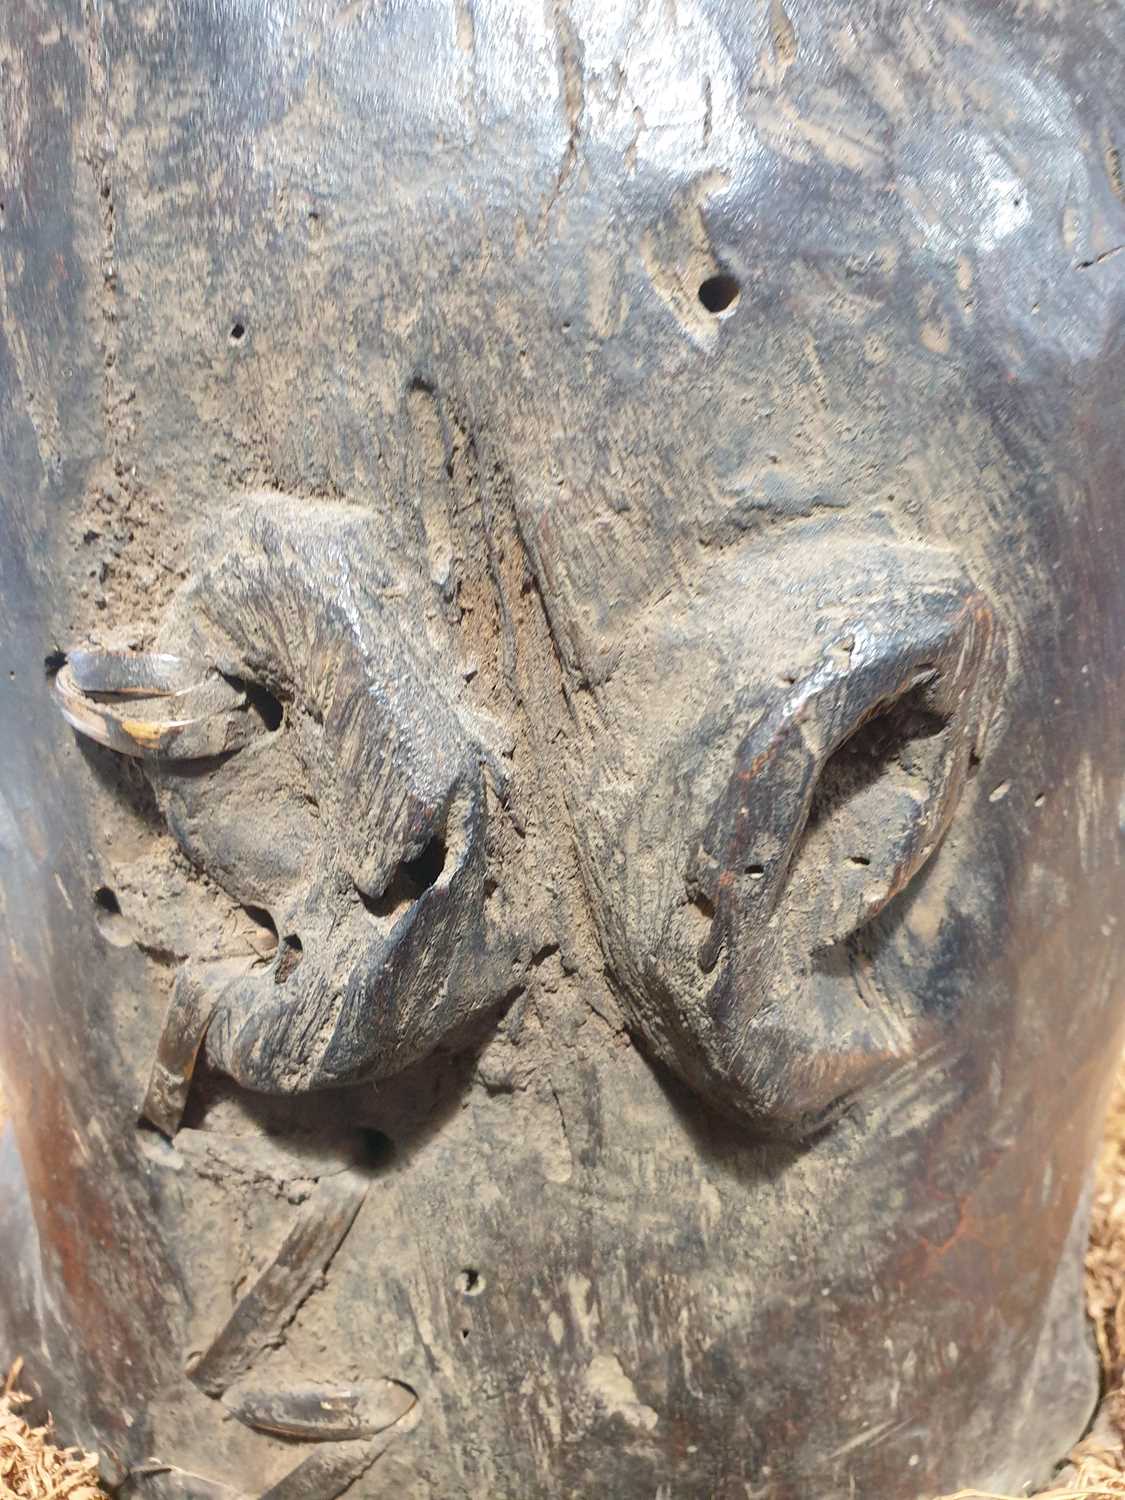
{"x": 719, "y": 294}
{"x": 109, "y": 919}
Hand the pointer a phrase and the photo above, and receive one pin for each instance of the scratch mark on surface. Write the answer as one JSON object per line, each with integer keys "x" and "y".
{"x": 568, "y": 1171}
{"x": 1096, "y": 260}
{"x": 1113, "y": 168}
{"x": 572, "y": 90}
{"x": 870, "y": 1437}
{"x": 634, "y": 144}
{"x": 783, "y": 35}
{"x": 98, "y": 158}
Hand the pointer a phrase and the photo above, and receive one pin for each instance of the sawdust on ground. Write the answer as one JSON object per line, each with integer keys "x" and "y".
{"x": 34, "y": 1467}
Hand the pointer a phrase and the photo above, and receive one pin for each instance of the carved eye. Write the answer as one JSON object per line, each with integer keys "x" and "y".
{"x": 798, "y": 832}
{"x": 874, "y": 814}
{"x": 843, "y": 790}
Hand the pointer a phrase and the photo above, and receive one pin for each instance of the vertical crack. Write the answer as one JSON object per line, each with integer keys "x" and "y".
{"x": 98, "y": 156}
{"x": 572, "y": 90}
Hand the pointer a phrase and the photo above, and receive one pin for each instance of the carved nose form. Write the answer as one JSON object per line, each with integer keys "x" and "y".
{"x": 355, "y": 990}
{"x": 371, "y": 858}
{"x": 325, "y": 771}
{"x": 365, "y": 983}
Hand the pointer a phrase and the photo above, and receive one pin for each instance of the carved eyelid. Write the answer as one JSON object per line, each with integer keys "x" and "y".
{"x": 783, "y": 756}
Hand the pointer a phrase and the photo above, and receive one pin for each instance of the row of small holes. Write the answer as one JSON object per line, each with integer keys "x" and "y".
{"x": 469, "y": 1283}
{"x": 719, "y": 295}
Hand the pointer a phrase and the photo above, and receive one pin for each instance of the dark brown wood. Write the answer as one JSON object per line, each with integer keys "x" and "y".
{"x": 643, "y": 487}
{"x": 329, "y": 1470}
{"x": 319, "y": 1413}
{"x": 264, "y": 1311}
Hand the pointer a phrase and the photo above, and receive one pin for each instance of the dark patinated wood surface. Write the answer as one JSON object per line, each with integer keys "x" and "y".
{"x": 650, "y": 478}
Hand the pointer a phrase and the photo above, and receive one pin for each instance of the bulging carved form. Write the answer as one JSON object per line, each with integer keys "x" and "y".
{"x": 574, "y": 810}
{"x": 777, "y": 765}
{"x": 357, "y": 820}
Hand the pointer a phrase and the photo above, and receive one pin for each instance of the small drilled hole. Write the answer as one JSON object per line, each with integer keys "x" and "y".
{"x": 291, "y": 954}
{"x": 719, "y": 294}
{"x": 859, "y": 859}
{"x": 470, "y": 1283}
{"x": 378, "y": 1150}
{"x": 237, "y": 332}
{"x": 109, "y": 918}
{"x": 756, "y": 872}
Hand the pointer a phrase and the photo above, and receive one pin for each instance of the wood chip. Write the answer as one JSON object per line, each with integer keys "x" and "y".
{"x": 32, "y": 1467}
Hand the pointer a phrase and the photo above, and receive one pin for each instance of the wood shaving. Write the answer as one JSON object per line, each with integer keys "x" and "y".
{"x": 31, "y": 1466}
